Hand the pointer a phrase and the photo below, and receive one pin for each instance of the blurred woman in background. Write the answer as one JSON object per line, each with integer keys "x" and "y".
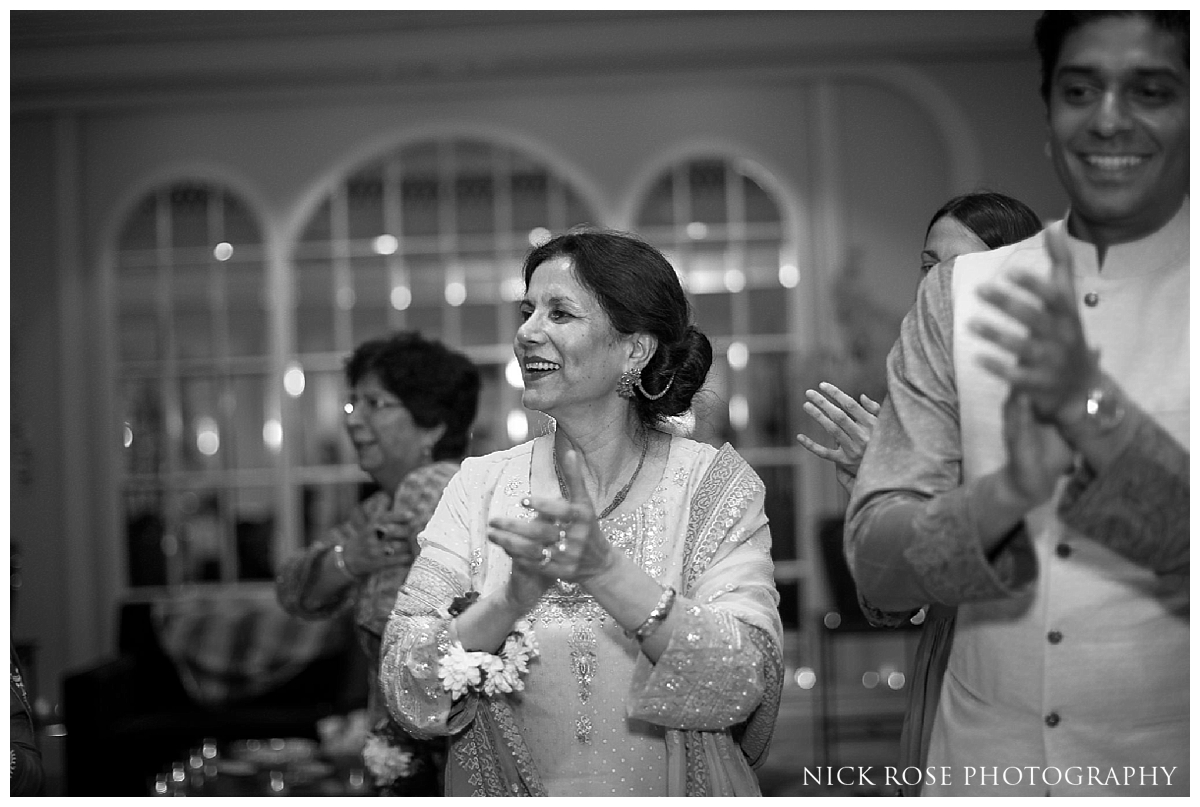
{"x": 973, "y": 222}
{"x": 409, "y": 412}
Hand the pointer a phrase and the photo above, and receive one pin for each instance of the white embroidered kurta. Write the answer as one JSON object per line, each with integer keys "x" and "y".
{"x": 595, "y": 713}
{"x": 1070, "y": 649}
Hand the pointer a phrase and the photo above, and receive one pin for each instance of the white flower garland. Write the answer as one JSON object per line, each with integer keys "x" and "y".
{"x": 385, "y": 761}
{"x": 462, "y": 670}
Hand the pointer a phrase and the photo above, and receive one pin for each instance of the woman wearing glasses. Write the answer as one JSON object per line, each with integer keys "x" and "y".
{"x": 410, "y": 408}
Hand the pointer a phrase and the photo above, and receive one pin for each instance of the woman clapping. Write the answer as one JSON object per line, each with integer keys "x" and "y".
{"x": 593, "y": 612}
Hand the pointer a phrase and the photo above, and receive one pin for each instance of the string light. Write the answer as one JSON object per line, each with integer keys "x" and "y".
{"x": 518, "y": 426}
{"x": 738, "y": 355}
{"x": 385, "y": 244}
{"x": 208, "y": 439}
{"x": 401, "y": 297}
{"x": 789, "y": 276}
{"x": 293, "y": 380}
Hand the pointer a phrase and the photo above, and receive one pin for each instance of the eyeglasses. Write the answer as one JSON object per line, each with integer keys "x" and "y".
{"x": 369, "y": 404}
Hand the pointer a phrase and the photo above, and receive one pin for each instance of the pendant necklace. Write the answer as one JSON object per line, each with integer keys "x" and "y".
{"x": 621, "y": 494}
{"x": 582, "y": 641}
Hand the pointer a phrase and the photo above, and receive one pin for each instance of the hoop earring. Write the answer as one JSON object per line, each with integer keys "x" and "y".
{"x": 627, "y": 381}
{"x": 650, "y": 397}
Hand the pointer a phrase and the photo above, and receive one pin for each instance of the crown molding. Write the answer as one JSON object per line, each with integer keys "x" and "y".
{"x": 103, "y": 59}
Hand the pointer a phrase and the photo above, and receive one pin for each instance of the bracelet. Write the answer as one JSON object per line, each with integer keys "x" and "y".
{"x": 462, "y": 671}
{"x": 339, "y": 558}
{"x": 661, "y": 609}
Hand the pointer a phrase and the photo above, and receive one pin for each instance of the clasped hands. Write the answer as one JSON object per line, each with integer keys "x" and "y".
{"x": 563, "y": 542}
{"x": 1046, "y": 363}
{"x": 377, "y": 537}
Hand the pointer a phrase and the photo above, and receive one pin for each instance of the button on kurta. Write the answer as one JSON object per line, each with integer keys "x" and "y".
{"x": 1054, "y": 637}
{"x": 1063, "y": 550}
{"x": 1091, "y": 299}
{"x": 1053, "y": 719}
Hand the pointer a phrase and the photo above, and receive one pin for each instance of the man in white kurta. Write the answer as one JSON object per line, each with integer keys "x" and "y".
{"x": 1067, "y": 672}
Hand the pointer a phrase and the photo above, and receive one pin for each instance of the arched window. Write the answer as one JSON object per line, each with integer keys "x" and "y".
{"x": 193, "y": 369}
{"x": 726, "y": 235}
{"x": 225, "y": 473}
{"x": 429, "y": 236}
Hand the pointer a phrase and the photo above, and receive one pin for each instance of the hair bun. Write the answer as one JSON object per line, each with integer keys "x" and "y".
{"x": 684, "y": 365}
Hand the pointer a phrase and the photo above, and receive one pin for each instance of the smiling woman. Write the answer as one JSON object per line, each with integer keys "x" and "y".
{"x": 618, "y": 575}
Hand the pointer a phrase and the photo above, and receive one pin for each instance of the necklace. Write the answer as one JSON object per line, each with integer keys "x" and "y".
{"x": 621, "y": 494}
{"x": 582, "y": 640}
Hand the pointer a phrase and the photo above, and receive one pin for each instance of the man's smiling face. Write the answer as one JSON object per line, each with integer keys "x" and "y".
{"x": 1119, "y": 127}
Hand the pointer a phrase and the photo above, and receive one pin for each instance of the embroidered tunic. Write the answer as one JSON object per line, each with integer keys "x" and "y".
{"x": 1070, "y": 646}
{"x": 596, "y": 718}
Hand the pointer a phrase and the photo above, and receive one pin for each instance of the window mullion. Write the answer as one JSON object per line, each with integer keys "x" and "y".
{"x": 735, "y": 248}
{"x": 448, "y": 239}
{"x": 342, "y": 279}
{"x": 393, "y": 223}
{"x": 170, "y": 381}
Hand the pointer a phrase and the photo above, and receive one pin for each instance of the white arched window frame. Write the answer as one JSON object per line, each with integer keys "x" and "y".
{"x": 194, "y": 379}
{"x": 722, "y": 220}
{"x": 427, "y": 234}
{"x": 229, "y": 354}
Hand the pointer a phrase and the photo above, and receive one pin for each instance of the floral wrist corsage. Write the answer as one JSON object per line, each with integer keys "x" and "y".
{"x": 462, "y": 670}
{"x": 386, "y": 757}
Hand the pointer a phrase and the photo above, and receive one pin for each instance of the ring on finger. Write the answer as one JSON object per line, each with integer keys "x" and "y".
{"x": 561, "y": 546}
{"x": 547, "y": 556}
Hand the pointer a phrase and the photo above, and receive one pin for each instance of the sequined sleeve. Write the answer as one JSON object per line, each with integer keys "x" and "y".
{"x": 911, "y": 537}
{"x": 710, "y": 677}
{"x": 417, "y": 632}
{"x": 1140, "y": 506}
{"x": 722, "y": 658}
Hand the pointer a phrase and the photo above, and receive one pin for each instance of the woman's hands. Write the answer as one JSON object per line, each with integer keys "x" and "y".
{"x": 375, "y": 538}
{"x": 563, "y": 542}
{"x": 847, "y": 421}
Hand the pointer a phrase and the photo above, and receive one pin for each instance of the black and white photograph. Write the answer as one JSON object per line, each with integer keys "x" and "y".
{"x": 456, "y": 400}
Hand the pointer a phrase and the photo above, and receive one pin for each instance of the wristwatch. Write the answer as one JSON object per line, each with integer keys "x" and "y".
{"x": 1102, "y": 409}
